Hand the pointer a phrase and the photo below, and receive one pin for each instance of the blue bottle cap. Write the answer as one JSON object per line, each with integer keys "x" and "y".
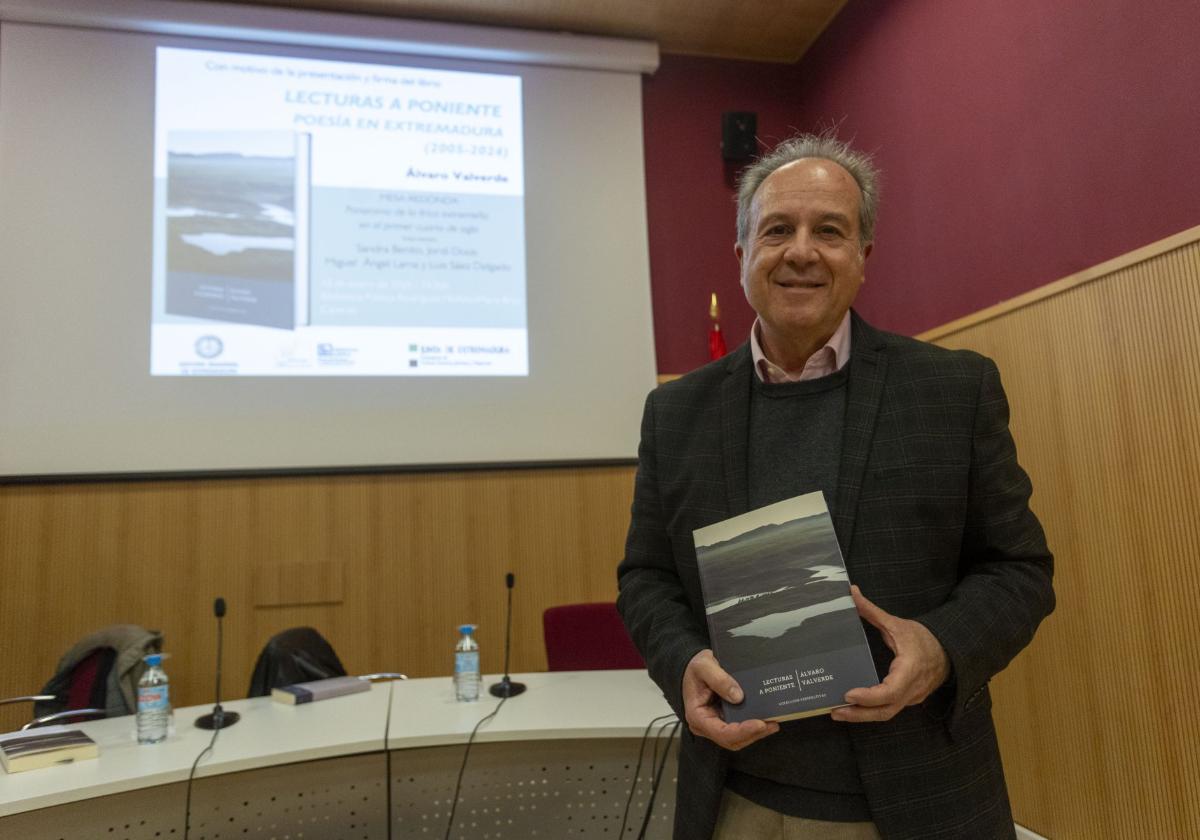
{"x": 466, "y": 629}
{"x": 153, "y": 659}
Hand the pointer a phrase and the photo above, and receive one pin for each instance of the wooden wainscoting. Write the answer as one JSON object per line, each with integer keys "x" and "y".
{"x": 385, "y": 566}
{"x": 1097, "y": 718}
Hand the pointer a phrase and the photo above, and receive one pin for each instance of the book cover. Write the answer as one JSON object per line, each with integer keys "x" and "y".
{"x": 310, "y": 692}
{"x": 780, "y": 615}
{"x": 237, "y": 226}
{"x": 34, "y": 750}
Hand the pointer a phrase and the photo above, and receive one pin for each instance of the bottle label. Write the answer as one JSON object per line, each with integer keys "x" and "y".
{"x": 466, "y": 662}
{"x": 153, "y": 698}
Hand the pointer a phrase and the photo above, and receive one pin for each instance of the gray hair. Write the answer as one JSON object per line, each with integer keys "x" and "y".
{"x": 824, "y": 146}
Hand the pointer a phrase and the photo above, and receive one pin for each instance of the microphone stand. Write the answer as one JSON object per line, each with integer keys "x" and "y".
{"x": 218, "y": 718}
{"x": 506, "y": 687}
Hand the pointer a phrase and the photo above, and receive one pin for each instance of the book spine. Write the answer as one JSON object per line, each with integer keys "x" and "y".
{"x": 337, "y": 687}
{"x": 299, "y": 693}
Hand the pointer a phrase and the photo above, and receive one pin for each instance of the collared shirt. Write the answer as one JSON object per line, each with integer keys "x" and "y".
{"x": 831, "y": 358}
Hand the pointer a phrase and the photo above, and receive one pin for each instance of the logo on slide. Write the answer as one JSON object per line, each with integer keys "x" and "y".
{"x": 209, "y": 347}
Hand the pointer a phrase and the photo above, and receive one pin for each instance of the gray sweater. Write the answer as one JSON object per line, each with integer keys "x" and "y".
{"x": 808, "y": 768}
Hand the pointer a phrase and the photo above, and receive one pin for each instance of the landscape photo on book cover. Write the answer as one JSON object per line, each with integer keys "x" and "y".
{"x": 231, "y": 225}
{"x": 776, "y": 589}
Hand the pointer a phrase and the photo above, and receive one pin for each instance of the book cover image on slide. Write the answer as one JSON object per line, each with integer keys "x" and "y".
{"x": 236, "y": 227}
{"x": 780, "y": 615}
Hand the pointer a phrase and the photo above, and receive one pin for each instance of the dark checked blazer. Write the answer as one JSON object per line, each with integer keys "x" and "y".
{"x": 931, "y": 511}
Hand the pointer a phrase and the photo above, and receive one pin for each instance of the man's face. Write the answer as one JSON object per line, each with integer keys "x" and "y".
{"x": 803, "y": 260}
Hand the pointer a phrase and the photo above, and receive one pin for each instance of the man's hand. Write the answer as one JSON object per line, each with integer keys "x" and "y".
{"x": 704, "y": 683}
{"x": 920, "y": 666}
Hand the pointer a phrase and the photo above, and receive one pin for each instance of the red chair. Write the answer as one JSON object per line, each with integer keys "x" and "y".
{"x": 587, "y": 637}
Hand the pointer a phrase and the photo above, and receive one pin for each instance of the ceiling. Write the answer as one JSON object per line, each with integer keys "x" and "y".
{"x": 756, "y": 30}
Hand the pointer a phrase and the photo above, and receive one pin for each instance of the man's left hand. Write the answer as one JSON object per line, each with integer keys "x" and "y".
{"x": 920, "y": 666}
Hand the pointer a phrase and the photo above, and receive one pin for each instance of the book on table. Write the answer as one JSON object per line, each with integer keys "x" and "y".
{"x": 34, "y": 749}
{"x": 780, "y": 616}
{"x": 310, "y": 692}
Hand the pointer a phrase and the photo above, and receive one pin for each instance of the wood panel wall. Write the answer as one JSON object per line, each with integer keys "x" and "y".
{"x": 385, "y": 566}
{"x": 1097, "y": 718}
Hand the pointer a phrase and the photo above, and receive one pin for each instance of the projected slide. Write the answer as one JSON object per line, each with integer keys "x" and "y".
{"x": 329, "y": 218}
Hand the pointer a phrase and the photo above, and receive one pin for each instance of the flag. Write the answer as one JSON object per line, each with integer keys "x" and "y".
{"x": 716, "y": 341}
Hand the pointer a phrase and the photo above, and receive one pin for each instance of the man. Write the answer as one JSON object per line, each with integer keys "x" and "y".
{"x": 910, "y": 445}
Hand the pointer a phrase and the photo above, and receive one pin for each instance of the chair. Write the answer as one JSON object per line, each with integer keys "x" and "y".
{"x": 96, "y": 678}
{"x": 72, "y": 716}
{"x": 587, "y": 637}
{"x": 299, "y": 654}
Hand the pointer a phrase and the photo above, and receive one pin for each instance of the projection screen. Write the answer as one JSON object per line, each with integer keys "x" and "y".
{"x": 288, "y": 245}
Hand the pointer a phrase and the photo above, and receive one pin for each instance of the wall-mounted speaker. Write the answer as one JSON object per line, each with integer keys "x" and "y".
{"x": 738, "y": 130}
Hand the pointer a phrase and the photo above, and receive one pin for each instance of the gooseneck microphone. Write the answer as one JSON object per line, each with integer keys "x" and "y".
{"x": 506, "y": 687}
{"x": 218, "y": 718}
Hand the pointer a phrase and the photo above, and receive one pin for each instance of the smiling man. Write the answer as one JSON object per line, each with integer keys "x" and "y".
{"x": 910, "y": 445}
{"x": 802, "y": 257}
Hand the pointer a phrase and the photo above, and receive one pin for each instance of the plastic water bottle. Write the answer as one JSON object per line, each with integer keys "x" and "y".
{"x": 153, "y": 702}
{"x": 466, "y": 665}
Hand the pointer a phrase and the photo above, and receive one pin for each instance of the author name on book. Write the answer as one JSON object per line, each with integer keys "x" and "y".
{"x": 814, "y": 676}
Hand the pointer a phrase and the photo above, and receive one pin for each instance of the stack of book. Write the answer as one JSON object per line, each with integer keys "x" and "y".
{"x": 44, "y": 748}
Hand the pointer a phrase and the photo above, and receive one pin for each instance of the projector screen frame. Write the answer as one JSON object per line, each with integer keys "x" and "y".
{"x": 46, "y": 479}
{"x": 215, "y": 24}
{"x": 339, "y": 31}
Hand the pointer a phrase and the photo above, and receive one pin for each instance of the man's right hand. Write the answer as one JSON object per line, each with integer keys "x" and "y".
{"x": 704, "y": 684}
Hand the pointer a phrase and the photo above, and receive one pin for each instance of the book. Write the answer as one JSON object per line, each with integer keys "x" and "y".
{"x": 35, "y": 749}
{"x": 236, "y": 220}
{"x": 780, "y": 616}
{"x": 310, "y": 692}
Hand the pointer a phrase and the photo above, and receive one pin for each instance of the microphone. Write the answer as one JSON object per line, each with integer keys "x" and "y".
{"x": 506, "y": 687}
{"x": 218, "y": 718}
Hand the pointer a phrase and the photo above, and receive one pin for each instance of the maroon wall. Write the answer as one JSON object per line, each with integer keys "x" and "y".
{"x": 689, "y": 194}
{"x": 1021, "y": 141}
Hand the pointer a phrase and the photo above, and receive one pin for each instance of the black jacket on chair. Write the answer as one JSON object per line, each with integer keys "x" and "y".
{"x": 300, "y": 654}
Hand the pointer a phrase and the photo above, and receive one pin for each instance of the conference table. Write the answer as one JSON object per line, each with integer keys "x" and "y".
{"x": 559, "y": 760}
